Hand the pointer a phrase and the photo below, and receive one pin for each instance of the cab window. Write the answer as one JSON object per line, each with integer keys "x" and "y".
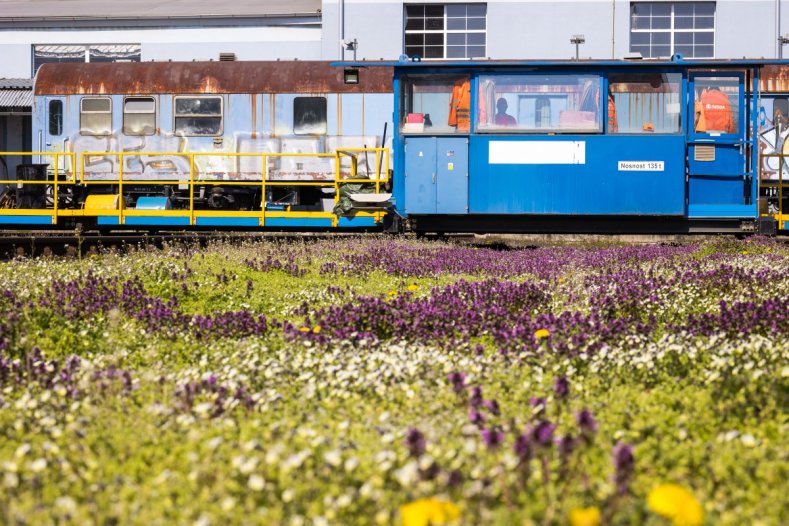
{"x": 95, "y": 116}
{"x": 139, "y": 116}
{"x": 435, "y": 104}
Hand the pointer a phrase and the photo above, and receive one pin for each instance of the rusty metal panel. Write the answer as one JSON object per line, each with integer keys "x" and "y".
{"x": 143, "y": 78}
{"x": 774, "y": 79}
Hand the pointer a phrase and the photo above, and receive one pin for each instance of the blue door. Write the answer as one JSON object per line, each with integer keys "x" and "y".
{"x": 452, "y": 175}
{"x": 420, "y": 175}
{"x": 717, "y": 153}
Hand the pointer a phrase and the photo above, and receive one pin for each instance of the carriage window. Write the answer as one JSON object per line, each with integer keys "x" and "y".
{"x": 55, "y": 117}
{"x": 716, "y": 105}
{"x": 435, "y": 104}
{"x": 198, "y": 116}
{"x": 139, "y": 116}
{"x": 539, "y": 103}
{"x": 644, "y": 103}
{"x": 309, "y": 115}
{"x": 95, "y": 116}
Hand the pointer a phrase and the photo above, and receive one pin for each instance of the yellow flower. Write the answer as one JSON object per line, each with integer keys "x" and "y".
{"x": 412, "y": 287}
{"x": 316, "y": 329}
{"x": 677, "y": 504}
{"x": 393, "y": 293}
{"x": 304, "y": 329}
{"x": 429, "y": 512}
{"x": 585, "y": 517}
{"x": 542, "y": 333}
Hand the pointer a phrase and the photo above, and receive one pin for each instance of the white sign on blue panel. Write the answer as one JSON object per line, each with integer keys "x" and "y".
{"x": 537, "y": 152}
{"x": 641, "y": 166}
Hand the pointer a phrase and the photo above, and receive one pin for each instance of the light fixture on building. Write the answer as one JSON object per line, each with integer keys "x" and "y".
{"x": 577, "y": 40}
{"x": 351, "y": 45}
{"x": 351, "y": 76}
{"x": 782, "y": 40}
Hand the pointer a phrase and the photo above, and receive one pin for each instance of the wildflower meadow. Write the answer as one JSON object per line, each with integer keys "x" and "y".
{"x": 390, "y": 381}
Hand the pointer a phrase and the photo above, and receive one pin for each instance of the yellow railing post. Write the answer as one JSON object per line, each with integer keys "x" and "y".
{"x": 120, "y": 188}
{"x": 55, "y": 191}
{"x": 191, "y": 188}
{"x": 264, "y": 177}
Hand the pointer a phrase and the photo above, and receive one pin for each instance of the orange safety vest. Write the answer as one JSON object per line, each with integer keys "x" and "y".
{"x": 460, "y": 106}
{"x": 613, "y": 124}
{"x": 714, "y": 112}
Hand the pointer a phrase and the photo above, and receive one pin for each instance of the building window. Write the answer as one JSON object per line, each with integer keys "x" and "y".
{"x": 644, "y": 103}
{"x": 195, "y": 116}
{"x": 437, "y": 31}
{"x": 95, "y": 116}
{"x": 309, "y": 115}
{"x": 661, "y": 29}
{"x": 46, "y": 53}
{"x": 139, "y": 116}
{"x": 55, "y": 117}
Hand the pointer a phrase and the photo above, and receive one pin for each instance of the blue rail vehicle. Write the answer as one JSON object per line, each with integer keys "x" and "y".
{"x": 578, "y": 146}
{"x": 203, "y": 145}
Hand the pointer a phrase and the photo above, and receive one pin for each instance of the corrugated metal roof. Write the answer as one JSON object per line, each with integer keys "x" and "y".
{"x": 147, "y": 9}
{"x": 16, "y": 98}
{"x": 16, "y": 83}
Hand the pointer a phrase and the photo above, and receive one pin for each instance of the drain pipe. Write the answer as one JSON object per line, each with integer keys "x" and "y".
{"x": 613, "y": 29}
{"x": 342, "y": 29}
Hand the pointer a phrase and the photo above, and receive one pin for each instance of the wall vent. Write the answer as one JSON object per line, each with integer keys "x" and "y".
{"x": 704, "y": 153}
{"x": 227, "y": 57}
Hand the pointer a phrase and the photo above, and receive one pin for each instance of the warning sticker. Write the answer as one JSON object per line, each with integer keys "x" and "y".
{"x": 641, "y": 166}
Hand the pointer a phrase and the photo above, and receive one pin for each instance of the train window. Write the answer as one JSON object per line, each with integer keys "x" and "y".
{"x": 55, "y": 117}
{"x": 716, "y": 105}
{"x": 139, "y": 116}
{"x": 435, "y": 104}
{"x": 198, "y": 116}
{"x": 539, "y": 103}
{"x": 644, "y": 103}
{"x": 95, "y": 116}
{"x": 309, "y": 115}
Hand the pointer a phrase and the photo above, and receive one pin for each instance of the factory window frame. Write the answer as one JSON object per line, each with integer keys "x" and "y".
{"x": 553, "y": 103}
{"x": 309, "y": 116}
{"x": 441, "y": 31}
{"x": 139, "y": 116}
{"x": 198, "y": 116}
{"x": 95, "y": 116}
{"x": 661, "y": 29}
{"x": 55, "y": 117}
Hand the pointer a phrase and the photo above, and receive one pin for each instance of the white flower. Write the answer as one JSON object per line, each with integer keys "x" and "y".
{"x": 333, "y": 457}
{"x": 256, "y": 482}
{"x": 38, "y": 465}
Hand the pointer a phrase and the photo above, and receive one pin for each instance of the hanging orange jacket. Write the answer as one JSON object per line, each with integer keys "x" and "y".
{"x": 460, "y": 106}
{"x": 714, "y": 112}
{"x": 613, "y": 123}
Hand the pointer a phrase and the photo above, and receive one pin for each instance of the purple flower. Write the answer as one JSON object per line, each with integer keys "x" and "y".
{"x": 538, "y": 404}
{"x": 476, "y": 417}
{"x": 624, "y": 464}
{"x": 561, "y": 387}
{"x": 454, "y": 478}
{"x": 522, "y": 447}
{"x": 476, "y": 397}
{"x": 586, "y": 423}
{"x": 492, "y": 406}
{"x": 492, "y": 438}
{"x": 542, "y": 433}
{"x": 566, "y": 445}
{"x": 415, "y": 442}
{"x": 458, "y": 381}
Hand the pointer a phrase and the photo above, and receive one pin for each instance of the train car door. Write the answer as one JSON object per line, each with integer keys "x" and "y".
{"x": 717, "y": 152}
{"x": 51, "y": 129}
{"x": 436, "y": 175}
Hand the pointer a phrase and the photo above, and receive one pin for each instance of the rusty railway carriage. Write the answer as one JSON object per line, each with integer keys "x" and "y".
{"x": 203, "y": 144}
{"x": 478, "y": 146}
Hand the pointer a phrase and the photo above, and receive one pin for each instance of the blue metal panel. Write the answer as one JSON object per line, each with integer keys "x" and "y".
{"x": 299, "y": 222}
{"x": 356, "y": 222}
{"x": 25, "y": 220}
{"x": 107, "y": 220}
{"x": 420, "y": 175}
{"x": 153, "y": 203}
{"x": 154, "y": 220}
{"x": 728, "y": 211}
{"x": 227, "y": 221}
{"x": 452, "y": 175}
{"x": 352, "y": 113}
{"x": 596, "y": 186}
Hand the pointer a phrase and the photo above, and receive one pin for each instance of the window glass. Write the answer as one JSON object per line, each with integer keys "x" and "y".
{"x": 196, "y": 116}
{"x": 55, "y": 117}
{"x": 561, "y": 102}
{"x": 644, "y": 103}
{"x": 309, "y": 116}
{"x": 716, "y": 105}
{"x": 435, "y": 104}
{"x": 660, "y": 29}
{"x": 139, "y": 116}
{"x": 438, "y": 31}
{"x": 95, "y": 116}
